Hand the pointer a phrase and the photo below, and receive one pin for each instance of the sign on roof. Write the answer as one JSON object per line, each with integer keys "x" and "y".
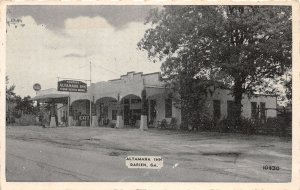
{"x": 71, "y": 86}
{"x": 37, "y": 87}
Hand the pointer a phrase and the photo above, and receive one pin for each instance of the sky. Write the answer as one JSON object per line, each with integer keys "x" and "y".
{"x": 61, "y": 41}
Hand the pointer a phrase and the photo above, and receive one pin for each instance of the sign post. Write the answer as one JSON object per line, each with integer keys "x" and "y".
{"x": 36, "y": 87}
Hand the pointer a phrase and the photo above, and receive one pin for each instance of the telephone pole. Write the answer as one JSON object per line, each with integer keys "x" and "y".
{"x": 90, "y": 94}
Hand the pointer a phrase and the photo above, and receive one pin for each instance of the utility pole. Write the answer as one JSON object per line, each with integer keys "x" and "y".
{"x": 90, "y": 94}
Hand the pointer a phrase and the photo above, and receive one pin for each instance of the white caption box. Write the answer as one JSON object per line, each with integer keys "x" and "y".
{"x": 144, "y": 162}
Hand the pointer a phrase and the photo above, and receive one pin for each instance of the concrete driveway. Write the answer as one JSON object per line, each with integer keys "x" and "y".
{"x": 98, "y": 154}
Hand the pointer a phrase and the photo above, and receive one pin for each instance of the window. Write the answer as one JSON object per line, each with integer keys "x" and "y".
{"x": 168, "y": 108}
{"x": 262, "y": 110}
{"x": 101, "y": 105}
{"x": 254, "y": 109}
{"x": 230, "y": 106}
{"x": 217, "y": 109}
{"x": 87, "y": 105}
{"x": 126, "y": 101}
{"x": 136, "y": 114}
{"x": 135, "y": 101}
{"x": 114, "y": 115}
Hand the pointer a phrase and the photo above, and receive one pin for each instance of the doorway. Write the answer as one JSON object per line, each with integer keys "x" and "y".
{"x": 152, "y": 111}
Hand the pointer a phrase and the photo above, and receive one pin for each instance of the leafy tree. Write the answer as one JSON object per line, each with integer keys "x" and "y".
{"x": 10, "y": 99}
{"x": 24, "y": 105}
{"x": 240, "y": 47}
{"x": 10, "y": 94}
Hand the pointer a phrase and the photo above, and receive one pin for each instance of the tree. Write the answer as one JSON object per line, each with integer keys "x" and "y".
{"x": 10, "y": 99}
{"x": 24, "y": 105}
{"x": 10, "y": 94}
{"x": 241, "y": 47}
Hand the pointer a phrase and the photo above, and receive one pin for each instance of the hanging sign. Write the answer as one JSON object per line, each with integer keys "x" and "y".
{"x": 37, "y": 87}
{"x": 71, "y": 86}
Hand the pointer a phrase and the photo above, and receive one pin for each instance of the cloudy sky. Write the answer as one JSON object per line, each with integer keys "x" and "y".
{"x": 60, "y": 41}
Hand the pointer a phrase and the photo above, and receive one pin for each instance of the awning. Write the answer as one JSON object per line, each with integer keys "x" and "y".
{"x": 51, "y": 95}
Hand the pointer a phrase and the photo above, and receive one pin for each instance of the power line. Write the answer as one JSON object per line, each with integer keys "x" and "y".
{"x": 106, "y": 69}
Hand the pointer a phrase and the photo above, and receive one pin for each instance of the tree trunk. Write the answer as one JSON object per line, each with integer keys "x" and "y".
{"x": 238, "y": 92}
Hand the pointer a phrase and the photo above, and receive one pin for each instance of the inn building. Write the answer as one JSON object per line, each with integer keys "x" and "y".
{"x": 119, "y": 102}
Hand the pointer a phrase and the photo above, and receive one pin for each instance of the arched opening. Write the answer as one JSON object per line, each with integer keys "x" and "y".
{"x": 81, "y": 112}
{"x": 131, "y": 106}
{"x": 106, "y": 110}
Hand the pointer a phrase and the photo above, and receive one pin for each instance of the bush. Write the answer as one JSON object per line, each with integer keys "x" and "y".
{"x": 206, "y": 123}
{"x": 273, "y": 123}
{"x": 183, "y": 126}
{"x": 26, "y": 120}
{"x": 200, "y": 121}
{"x": 244, "y": 125}
{"x": 112, "y": 125}
{"x": 224, "y": 126}
{"x": 163, "y": 123}
{"x": 249, "y": 126}
{"x": 16, "y": 114}
{"x": 173, "y": 123}
{"x": 279, "y": 124}
{"x": 151, "y": 124}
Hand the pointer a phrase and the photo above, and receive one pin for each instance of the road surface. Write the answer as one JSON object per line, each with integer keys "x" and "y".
{"x": 98, "y": 154}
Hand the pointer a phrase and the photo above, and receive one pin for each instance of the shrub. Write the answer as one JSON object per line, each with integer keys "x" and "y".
{"x": 183, "y": 125}
{"x": 244, "y": 125}
{"x": 26, "y": 120}
{"x": 280, "y": 124}
{"x": 206, "y": 122}
{"x": 273, "y": 122}
{"x": 163, "y": 123}
{"x": 16, "y": 114}
{"x": 173, "y": 123}
{"x": 249, "y": 126}
{"x": 151, "y": 123}
{"x": 112, "y": 125}
{"x": 224, "y": 125}
{"x": 200, "y": 121}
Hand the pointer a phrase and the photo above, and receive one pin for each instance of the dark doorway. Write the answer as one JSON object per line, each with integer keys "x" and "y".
{"x": 152, "y": 111}
{"x": 126, "y": 111}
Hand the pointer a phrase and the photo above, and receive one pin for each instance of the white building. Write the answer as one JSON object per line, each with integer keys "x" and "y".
{"x": 124, "y": 94}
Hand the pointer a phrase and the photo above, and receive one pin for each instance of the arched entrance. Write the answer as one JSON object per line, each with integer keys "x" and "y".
{"x": 106, "y": 110}
{"x": 81, "y": 112}
{"x": 131, "y": 106}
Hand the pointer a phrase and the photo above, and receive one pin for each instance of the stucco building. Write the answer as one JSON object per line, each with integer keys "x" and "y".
{"x": 119, "y": 101}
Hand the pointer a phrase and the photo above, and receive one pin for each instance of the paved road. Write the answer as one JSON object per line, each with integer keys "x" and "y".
{"x": 86, "y": 154}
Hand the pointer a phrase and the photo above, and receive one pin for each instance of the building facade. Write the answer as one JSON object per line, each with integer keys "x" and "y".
{"x": 119, "y": 102}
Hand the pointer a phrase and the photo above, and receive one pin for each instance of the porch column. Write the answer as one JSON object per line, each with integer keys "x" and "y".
{"x": 120, "y": 122}
{"x": 37, "y": 118}
{"x": 144, "y": 124}
{"x": 94, "y": 116}
{"x": 52, "y": 115}
{"x": 71, "y": 114}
